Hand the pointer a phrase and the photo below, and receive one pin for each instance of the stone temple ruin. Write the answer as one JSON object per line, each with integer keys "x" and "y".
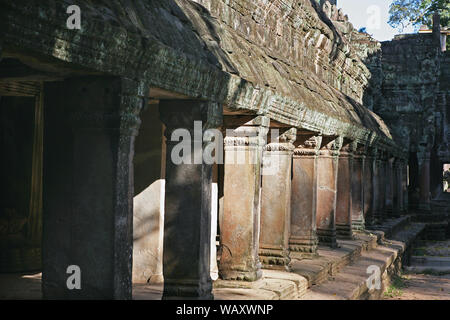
{"x": 87, "y": 123}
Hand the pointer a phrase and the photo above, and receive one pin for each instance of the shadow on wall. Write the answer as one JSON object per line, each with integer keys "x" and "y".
{"x": 148, "y": 202}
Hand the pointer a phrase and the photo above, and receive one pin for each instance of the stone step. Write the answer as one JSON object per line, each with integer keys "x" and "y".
{"x": 351, "y": 282}
{"x": 429, "y": 261}
{"x": 346, "y": 267}
{"x": 274, "y": 284}
{"x": 329, "y": 261}
{"x": 392, "y": 226}
{"x": 429, "y": 269}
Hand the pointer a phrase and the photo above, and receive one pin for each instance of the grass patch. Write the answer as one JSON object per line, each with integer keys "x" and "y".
{"x": 432, "y": 272}
{"x": 395, "y": 289}
{"x": 420, "y": 252}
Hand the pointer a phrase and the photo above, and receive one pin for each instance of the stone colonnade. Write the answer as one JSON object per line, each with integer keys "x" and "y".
{"x": 324, "y": 188}
{"x": 282, "y": 197}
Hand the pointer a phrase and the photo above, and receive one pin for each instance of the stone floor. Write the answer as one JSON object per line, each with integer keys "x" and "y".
{"x": 420, "y": 287}
{"x": 434, "y": 248}
{"x": 25, "y": 286}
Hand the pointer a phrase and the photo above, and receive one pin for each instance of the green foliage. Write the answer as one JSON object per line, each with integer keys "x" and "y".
{"x": 420, "y": 251}
{"x": 417, "y": 12}
{"x": 395, "y": 289}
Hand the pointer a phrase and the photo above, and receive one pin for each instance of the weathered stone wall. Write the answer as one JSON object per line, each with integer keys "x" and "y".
{"x": 300, "y": 72}
{"x": 409, "y": 90}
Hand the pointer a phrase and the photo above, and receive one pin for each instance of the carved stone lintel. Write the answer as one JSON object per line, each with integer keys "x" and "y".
{"x": 124, "y": 118}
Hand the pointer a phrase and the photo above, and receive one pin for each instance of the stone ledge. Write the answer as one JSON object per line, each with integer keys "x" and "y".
{"x": 391, "y": 226}
{"x": 330, "y": 261}
{"x": 345, "y": 266}
{"x": 350, "y": 283}
{"x": 285, "y": 286}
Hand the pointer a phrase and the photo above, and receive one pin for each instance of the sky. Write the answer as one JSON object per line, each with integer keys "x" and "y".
{"x": 372, "y": 14}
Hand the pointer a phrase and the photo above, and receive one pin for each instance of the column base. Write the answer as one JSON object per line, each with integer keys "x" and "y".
{"x": 378, "y": 218}
{"x": 327, "y": 237}
{"x": 344, "y": 231}
{"x": 424, "y": 207}
{"x": 304, "y": 245}
{"x": 241, "y": 275}
{"x": 187, "y": 290}
{"x": 391, "y": 213}
{"x": 358, "y": 225}
{"x": 274, "y": 259}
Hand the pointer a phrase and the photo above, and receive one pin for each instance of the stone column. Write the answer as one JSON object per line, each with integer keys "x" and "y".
{"x": 389, "y": 186}
{"x": 405, "y": 185}
{"x": 303, "y": 238}
{"x": 187, "y": 221}
{"x": 239, "y": 232}
{"x": 374, "y": 195}
{"x": 382, "y": 181}
{"x": 357, "y": 187}
{"x": 34, "y": 222}
{"x": 424, "y": 182}
{"x": 90, "y": 126}
{"x": 276, "y": 202}
{"x": 327, "y": 171}
{"x": 368, "y": 185}
{"x": 397, "y": 188}
{"x": 344, "y": 193}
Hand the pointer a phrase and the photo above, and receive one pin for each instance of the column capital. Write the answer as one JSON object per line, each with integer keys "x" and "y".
{"x": 358, "y": 149}
{"x": 309, "y": 146}
{"x": 173, "y": 113}
{"x": 333, "y": 147}
{"x": 246, "y": 133}
{"x": 283, "y": 142}
{"x": 347, "y": 149}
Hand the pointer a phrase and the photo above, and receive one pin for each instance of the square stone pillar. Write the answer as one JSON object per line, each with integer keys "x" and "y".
{"x": 239, "y": 232}
{"x": 327, "y": 173}
{"x": 357, "y": 187}
{"x": 276, "y": 201}
{"x": 397, "y": 188}
{"x": 424, "y": 182}
{"x": 382, "y": 181}
{"x": 90, "y": 126}
{"x": 404, "y": 177}
{"x": 368, "y": 186}
{"x": 187, "y": 220}
{"x": 400, "y": 200}
{"x": 373, "y": 198}
{"x": 390, "y": 186}
{"x": 303, "y": 239}
{"x": 344, "y": 193}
